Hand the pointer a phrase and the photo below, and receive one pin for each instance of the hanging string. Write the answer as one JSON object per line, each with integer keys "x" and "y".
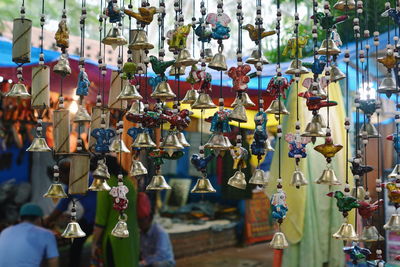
{"x": 279, "y": 75}
{"x": 297, "y": 74}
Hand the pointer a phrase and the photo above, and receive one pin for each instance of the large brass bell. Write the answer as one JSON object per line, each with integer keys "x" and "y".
{"x": 358, "y": 192}
{"x": 238, "y": 180}
{"x": 204, "y": 101}
{"x": 99, "y": 184}
{"x": 393, "y": 224}
{"x": 328, "y": 48}
{"x": 388, "y": 86}
{"x": 313, "y": 129}
{"x": 203, "y": 185}
{"x": 101, "y": 171}
{"x": 259, "y": 177}
{"x": 296, "y": 67}
{"x": 163, "y": 91}
{"x": 39, "y": 144}
{"x": 114, "y": 38}
{"x": 344, "y": 5}
{"x": 256, "y": 57}
{"x": 218, "y": 62}
{"x": 62, "y": 67}
{"x": 137, "y": 168}
{"x": 182, "y": 139}
{"x": 316, "y": 90}
{"x": 185, "y": 59}
{"x": 336, "y": 74}
{"x": 171, "y": 141}
{"x": 244, "y": 99}
{"x": 143, "y": 140}
{"x": 120, "y": 230}
{"x": 82, "y": 115}
{"x": 137, "y": 107}
{"x": 175, "y": 70}
{"x": 118, "y": 146}
{"x": 129, "y": 92}
{"x": 218, "y": 142}
{"x": 190, "y": 97}
{"x": 158, "y": 183}
{"x": 371, "y": 234}
{"x": 279, "y": 241}
{"x": 55, "y": 191}
{"x": 277, "y": 107}
{"x": 73, "y": 230}
{"x": 298, "y": 179}
{"x": 238, "y": 113}
{"x": 369, "y": 130}
{"x": 18, "y": 90}
{"x": 346, "y": 232}
{"x": 328, "y": 177}
{"x": 395, "y": 171}
{"x": 139, "y": 40}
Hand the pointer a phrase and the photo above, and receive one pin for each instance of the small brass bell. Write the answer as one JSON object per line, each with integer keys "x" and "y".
{"x": 55, "y": 191}
{"x": 238, "y": 114}
{"x": 328, "y": 48}
{"x": 245, "y": 100}
{"x": 208, "y": 54}
{"x": 346, "y": 232}
{"x": 118, "y": 146}
{"x": 318, "y": 119}
{"x": 171, "y": 142}
{"x": 158, "y": 183}
{"x": 277, "y": 107}
{"x": 336, "y": 74}
{"x": 99, "y": 184}
{"x": 358, "y": 192}
{"x": 73, "y": 230}
{"x": 238, "y": 180}
{"x": 259, "y": 177}
{"x": 137, "y": 107}
{"x": 218, "y": 62}
{"x": 296, "y": 66}
{"x": 256, "y": 57}
{"x": 298, "y": 179}
{"x": 62, "y": 67}
{"x": 175, "y": 70}
{"x": 190, "y": 97}
{"x": 101, "y": 171}
{"x": 204, "y": 101}
{"x": 279, "y": 241}
{"x": 316, "y": 89}
{"x": 393, "y": 224}
{"x": 328, "y": 177}
{"x": 82, "y": 115}
{"x": 18, "y": 90}
{"x": 313, "y": 129}
{"x": 344, "y": 5}
{"x": 39, "y": 144}
{"x": 370, "y": 234}
{"x": 388, "y": 86}
{"x": 114, "y": 38}
{"x": 129, "y": 92}
{"x": 370, "y": 130}
{"x": 218, "y": 142}
{"x": 139, "y": 40}
{"x": 182, "y": 139}
{"x": 203, "y": 185}
{"x": 163, "y": 92}
{"x": 143, "y": 140}
{"x": 137, "y": 168}
{"x": 395, "y": 171}
{"x": 185, "y": 59}
{"x": 120, "y": 230}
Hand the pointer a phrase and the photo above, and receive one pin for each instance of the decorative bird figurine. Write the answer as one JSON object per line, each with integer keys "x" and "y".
{"x": 253, "y": 32}
{"x": 315, "y": 102}
{"x": 357, "y": 253}
{"x": 159, "y": 67}
{"x": 318, "y": 66}
{"x": 344, "y": 203}
{"x": 393, "y": 193}
{"x": 393, "y": 13}
{"x": 359, "y": 169}
{"x": 396, "y": 141}
{"x": 327, "y": 21}
{"x": 367, "y": 209}
{"x": 389, "y": 60}
{"x": 128, "y": 71}
{"x": 200, "y": 162}
{"x": 328, "y": 149}
{"x": 144, "y": 16}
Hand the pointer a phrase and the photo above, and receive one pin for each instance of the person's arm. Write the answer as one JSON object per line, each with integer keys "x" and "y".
{"x": 53, "y": 262}
{"x": 51, "y": 250}
{"x": 97, "y": 236}
{"x": 163, "y": 249}
{"x": 61, "y": 207}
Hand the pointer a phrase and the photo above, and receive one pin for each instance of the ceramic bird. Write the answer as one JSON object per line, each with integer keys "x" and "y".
{"x": 328, "y": 149}
{"x": 389, "y": 60}
{"x": 318, "y": 66}
{"x": 144, "y": 16}
{"x": 396, "y": 141}
{"x": 393, "y": 192}
{"x": 159, "y": 67}
{"x": 357, "y": 253}
{"x": 359, "y": 169}
{"x": 201, "y": 162}
{"x": 344, "y": 203}
{"x": 366, "y": 209}
{"x": 315, "y": 102}
{"x": 239, "y": 155}
{"x": 327, "y": 21}
{"x": 62, "y": 35}
{"x": 128, "y": 71}
{"x": 103, "y": 139}
{"x": 253, "y": 32}
{"x": 393, "y": 13}
{"x": 368, "y": 106}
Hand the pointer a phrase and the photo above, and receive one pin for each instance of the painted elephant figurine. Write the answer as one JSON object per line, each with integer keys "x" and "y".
{"x": 239, "y": 77}
{"x": 258, "y": 147}
{"x": 279, "y": 205}
{"x": 113, "y": 11}
{"x": 103, "y": 139}
{"x": 177, "y": 38}
{"x": 149, "y": 119}
{"x": 220, "y": 121}
{"x": 297, "y": 145}
{"x": 239, "y": 155}
{"x": 201, "y": 162}
{"x": 292, "y": 46}
{"x": 220, "y": 32}
{"x": 277, "y": 86}
{"x": 179, "y": 120}
{"x": 119, "y": 194}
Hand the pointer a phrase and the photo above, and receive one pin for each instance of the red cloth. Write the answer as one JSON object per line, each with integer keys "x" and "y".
{"x": 143, "y": 206}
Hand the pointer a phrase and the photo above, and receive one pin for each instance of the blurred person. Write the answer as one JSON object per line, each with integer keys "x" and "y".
{"x": 27, "y": 243}
{"x": 155, "y": 245}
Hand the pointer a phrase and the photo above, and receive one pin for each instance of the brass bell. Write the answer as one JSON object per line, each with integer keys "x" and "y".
{"x": 316, "y": 89}
{"x": 203, "y": 185}
{"x": 336, "y": 74}
{"x": 208, "y": 54}
{"x": 328, "y": 177}
{"x": 204, "y": 101}
{"x": 344, "y": 5}
{"x": 318, "y": 119}
{"x": 218, "y": 62}
{"x": 101, "y": 171}
{"x": 129, "y": 92}
{"x": 182, "y": 139}
{"x": 238, "y": 180}
{"x": 118, "y": 146}
{"x": 114, "y": 38}
{"x": 143, "y": 140}
{"x": 82, "y": 115}
{"x": 139, "y": 40}
{"x": 259, "y": 177}
{"x": 185, "y": 59}
{"x": 175, "y": 70}
{"x": 371, "y": 234}
{"x": 238, "y": 114}
{"x": 73, "y": 230}
{"x": 256, "y": 57}
{"x": 277, "y": 107}
{"x": 39, "y": 144}
{"x": 296, "y": 66}
{"x": 313, "y": 129}
{"x": 218, "y": 142}
{"x": 358, "y": 192}
{"x": 171, "y": 142}
{"x": 328, "y": 48}
{"x": 62, "y": 67}
{"x": 137, "y": 168}
{"x": 190, "y": 97}
{"x": 279, "y": 241}
{"x": 55, "y": 191}
{"x": 137, "y": 107}
{"x": 369, "y": 130}
{"x": 120, "y": 230}
{"x": 99, "y": 184}
{"x": 346, "y": 232}
{"x": 388, "y": 86}
{"x": 244, "y": 99}
{"x": 393, "y": 224}
{"x": 298, "y": 179}
{"x": 18, "y": 90}
{"x": 395, "y": 171}
{"x": 163, "y": 91}
{"x": 158, "y": 183}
